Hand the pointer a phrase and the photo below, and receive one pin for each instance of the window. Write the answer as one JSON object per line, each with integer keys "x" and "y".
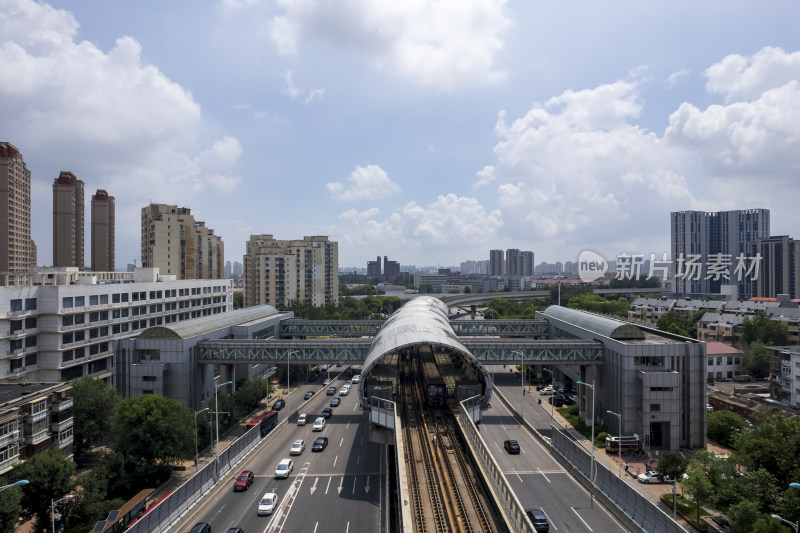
{"x": 116, "y": 328}
{"x": 30, "y": 322}
{"x": 67, "y": 338}
{"x": 730, "y": 374}
{"x": 94, "y": 349}
{"x": 16, "y": 325}
{"x": 80, "y": 319}
{"x": 67, "y": 355}
{"x": 719, "y": 360}
{"x": 103, "y": 299}
{"x": 80, "y": 352}
{"x": 30, "y": 341}
{"x": 30, "y": 359}
{"x": 16, "y": 305}
{"x": 148, "y": 378}
{"x": 710, "y": 361}
{"x": 730, "y": 360}
{"x": 94, "y": 333}
{"x": 66, "y": 302}
{"x": 124, "y": 296}
{"x": 15, "y": 364}
{"x": 94, "y": 316}
{"x": 80, "y": 301}
{"x": 30, "y": 304}
{"x": 116, "y": 313}
{"x": 80, "y": 335}
{"x": 68, "y": 374}
{"x": 93, "y": 299}
{"x": 115, "y": 298}
{"x": 103, "y": 315}
{"x": 15, "y": 344}
{"x": 655, "y": 407}
{"x": 98, "y": 366}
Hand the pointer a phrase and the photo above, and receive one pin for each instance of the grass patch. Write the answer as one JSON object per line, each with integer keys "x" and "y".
{"x": 570, "y": 414}
{"x": 688, "y": 510}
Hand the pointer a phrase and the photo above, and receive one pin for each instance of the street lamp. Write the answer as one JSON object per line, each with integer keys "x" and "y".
{"x": 17, "y": 484}
{"x": 195, "y": 435}
{"x": 619, "y": 439}
{"x": 795, "y": 485}
{"x": 521, "y": 399}
{"x": 552, "y": 403}
{"x": 290, "y": 352}
{"x": 53, "y": 509}
{"x": 216, "y": 417}
{"x": 591, "y": 468}
{"x": 793, "y": 524}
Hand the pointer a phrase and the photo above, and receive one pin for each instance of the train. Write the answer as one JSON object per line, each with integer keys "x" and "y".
{"x": 266, "y": 422}
{"x": 433, "y": 385}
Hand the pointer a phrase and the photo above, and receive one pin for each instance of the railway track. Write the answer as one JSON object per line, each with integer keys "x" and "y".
{"x": 447, "y": 499}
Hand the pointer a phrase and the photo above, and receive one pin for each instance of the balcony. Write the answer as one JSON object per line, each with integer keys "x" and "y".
{"x": 62, "y": 405}
{"x": 38, "y": 437}
{"x": 8, "y": 438}
{"x": 58, "y": 427}
{"x": 66, "y": 441}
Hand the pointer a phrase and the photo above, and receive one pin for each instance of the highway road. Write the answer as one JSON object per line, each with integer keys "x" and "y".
{"x": 339, "y": 489}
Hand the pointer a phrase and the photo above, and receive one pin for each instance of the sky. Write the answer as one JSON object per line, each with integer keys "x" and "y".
{"x": 429, "y": 131}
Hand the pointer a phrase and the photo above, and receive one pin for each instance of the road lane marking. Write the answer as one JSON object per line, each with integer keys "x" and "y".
{"x": 354, "y": 484}
{"x": 519, "y": 478}
{"x": 581, "y": 519}
{"x": 314, "y": 487}
{"x": 316, "y": 525}
{"x": 543, "y": 475}
{"x": 341, "y": 442}
{"x": 358, "y": 459}
{"x": 328, "y": 485}
{"x": 334, "y": 461}
{"x": 347, "y": 426}
{"x": 341, "y": 485}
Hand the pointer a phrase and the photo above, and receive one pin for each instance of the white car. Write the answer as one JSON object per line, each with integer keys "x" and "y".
{"x": 355, "y": 379}
{"x": 267, "y": 504}
{"x": 344, "y": 391}
{"x": 284, "y": 468}
{"x": 648, "y": 477}
{"x": 547, "y": 391}
{"x": 297, "y": 447}
{"x": 327, "y": 381}
{"x": 301, "y": 420}
{"x": 319, "y": 424}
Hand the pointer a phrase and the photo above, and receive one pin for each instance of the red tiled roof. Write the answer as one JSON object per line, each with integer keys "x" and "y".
{"x": 720, "y": 348}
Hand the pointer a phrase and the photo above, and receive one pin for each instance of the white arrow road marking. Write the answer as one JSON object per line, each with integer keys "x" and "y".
{"x": 314, "y": 487}
{"x": 341, "y": 485}
{"x": 366, "y": 487}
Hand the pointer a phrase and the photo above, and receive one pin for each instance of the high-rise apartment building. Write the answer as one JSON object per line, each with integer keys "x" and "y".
{"x": 496, "y": 263}
{"x": 68, "y": 213}
{"x": 277, "y": 272}
{"x": 17, "y": 249}
{"x": 374, "y": 268}
{"x": 780, "y": 269}
{"x": 714, "y": 242}
{"x": 103, "y": 228}
{"x": 391, "y": 269}
{"x": 526, "y": 269}
{"x": 513, "y": 262}
{"x": 176, "y": 244}
{"x": 237, "y": 270}
{"x": 228, "y": 270}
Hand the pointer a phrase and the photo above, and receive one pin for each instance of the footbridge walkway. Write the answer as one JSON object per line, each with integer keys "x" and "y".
{"x": 296, "y": 327}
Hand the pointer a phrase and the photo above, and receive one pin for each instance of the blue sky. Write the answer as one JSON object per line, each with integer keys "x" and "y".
{"x": 428, "y": 131}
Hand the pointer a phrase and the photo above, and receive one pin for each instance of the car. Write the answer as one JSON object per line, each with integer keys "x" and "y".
{"x": 301, "y": 420}
{"x": 278, "y": 405}
{"x": 327, "y": 412}
{"x": 244, "y": 481}
{"x": 331, "y": 391}
{"x": 308, "y": 395}
{"x": 339, "y": 363}
{"x": 355, "y": 379}
{"x": 319, "y": 424}
{"x": 547, "y": 390}
{"x": 201, "y": 527}
{"x": 572, "y": 399}
{"x": 313, "y": 376}
{"x": 327, "y": 381}
{"x": 557, "y": 400}
{"x": 267, "y": 504}
{"x": 648, "y": 477}
{"x": 319, "y": 444}
{"x": 284, "y": 468}
{"x": 511, "y": 446}
{"x": 344, "y": 391}
{"x": 298, "y": 447}
{"x": 335, "y": 401}
{"x": 235, "y": 530}
{"x": 539, "y": 519}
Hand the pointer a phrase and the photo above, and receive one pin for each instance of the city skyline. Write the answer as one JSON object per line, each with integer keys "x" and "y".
{"x": 498, "y": 125}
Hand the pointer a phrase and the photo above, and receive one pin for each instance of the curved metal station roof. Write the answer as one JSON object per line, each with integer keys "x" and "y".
{"x": 423, "y": 320}
{"x": 207, "y": 324}
{"x": 608, "y": 327}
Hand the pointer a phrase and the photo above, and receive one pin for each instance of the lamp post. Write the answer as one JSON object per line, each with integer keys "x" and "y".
{"x": 216, "y": 417}
{"x": 521, "y": 398}
{"x": 619, "y": 439}
{"x": 795, "y": 485}
{"x": 288, "y": 367}
{"x": 552, "y": 403}
{"x": 195, "y": 435}
{"x": 793, "y": 524}
{"x": 591, "y": 468}
{"x": 17, "y": 484}
{"x": 53, "y": 509}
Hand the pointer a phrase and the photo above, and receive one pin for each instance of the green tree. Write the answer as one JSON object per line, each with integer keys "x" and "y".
{"x": 50, "y": 476}
{"x": 671, "y": 465}
{"x": 90, "y": 504}
{"x": 772, "y": 444}
{"x": 250, "y": 393}
{"x": 760, "y": 487}
{"x": 238, "y": 300}
{"x": 93, "y": 403}
{"x": 156, "y": 430}
{"x": 671, "y": 322}
{"x": 723, "y": 426}
{"x": 697, "y": 485}
{"x": 743, "y": 516}
{"x": 761, "y": 328}
{"x": 755, "y": 360}
{"x": 10, "y": 507}
{"x": 767, "y": 524}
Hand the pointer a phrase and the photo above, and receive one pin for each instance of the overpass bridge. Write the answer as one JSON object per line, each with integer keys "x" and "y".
{"x": 296, "y": 327}
{"x": 457, "y": 300}
{"x": 354, "y": 351}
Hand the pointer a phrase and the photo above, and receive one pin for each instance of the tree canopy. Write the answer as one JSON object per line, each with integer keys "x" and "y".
{"x": 93, "y": 403}
{"x": 761, "y": 328}
{"x": 50, "y": 478}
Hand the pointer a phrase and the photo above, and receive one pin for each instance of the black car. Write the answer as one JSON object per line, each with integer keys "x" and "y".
{"x": 201, "y": 527}
{"x": 278, "y": 405}
{"x": 557, "y": 400}
{"x": 539, "y": 519}
{"x": 319, "y": 444}
{"x": 308, "y": 395}
{"x": 327, "y": 412}
{"x": 335, "y": 401}
{"x": 511, "y": 446}
{"x": 235, "y": 530}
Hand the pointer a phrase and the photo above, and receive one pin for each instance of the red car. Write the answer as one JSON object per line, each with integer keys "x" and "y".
{"x": 244, "y": 481}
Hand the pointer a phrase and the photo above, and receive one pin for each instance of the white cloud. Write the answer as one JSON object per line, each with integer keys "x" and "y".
{"x": 294, "y": 91}
{"x": 740, "y": 77}
{"x": 118, "y": 123}
{"x": 440, "y": 43}
{"x": 675, "y": 77}
{"x": 315, "y": 94}
{"x": 369, "y": 182}
{"x": 486, "y": 175}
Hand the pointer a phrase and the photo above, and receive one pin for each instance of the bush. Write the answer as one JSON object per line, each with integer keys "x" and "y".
{"x": 600, "y": 439}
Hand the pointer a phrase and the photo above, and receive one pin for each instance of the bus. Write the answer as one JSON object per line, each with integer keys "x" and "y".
{"x": 266, "y": 421}
{"x": 631, "y": 444}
